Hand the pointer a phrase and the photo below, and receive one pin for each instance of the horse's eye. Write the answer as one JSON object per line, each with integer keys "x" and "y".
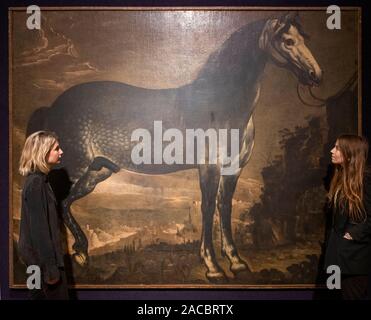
{"x": 289, "y": 42}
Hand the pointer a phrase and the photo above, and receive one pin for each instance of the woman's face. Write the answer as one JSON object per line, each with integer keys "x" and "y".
{"x": 54, "y": 155}
{"x": 336, "y": 155}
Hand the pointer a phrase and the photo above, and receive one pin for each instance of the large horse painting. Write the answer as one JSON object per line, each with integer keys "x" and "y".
{"x": 95, "y": 117}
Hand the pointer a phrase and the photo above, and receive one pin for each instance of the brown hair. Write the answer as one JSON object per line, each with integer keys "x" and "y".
{"x": 35, "y": 151}
{"x": 346, "y": 189}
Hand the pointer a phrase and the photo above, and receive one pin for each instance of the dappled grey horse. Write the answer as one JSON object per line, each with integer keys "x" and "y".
{"x": 94, "y": 122}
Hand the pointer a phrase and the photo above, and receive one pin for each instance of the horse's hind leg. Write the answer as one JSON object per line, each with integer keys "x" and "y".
{"x": 99, "y": 170}
{"x": 209, "y": 180}
{"x": 227, "y": 187}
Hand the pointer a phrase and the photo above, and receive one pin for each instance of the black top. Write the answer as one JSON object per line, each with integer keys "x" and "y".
{"x": 39, "y": 238}
{"x": 352, "y": 256}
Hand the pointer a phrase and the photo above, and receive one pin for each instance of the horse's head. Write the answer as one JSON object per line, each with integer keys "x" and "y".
{"x": 283, "y": 40}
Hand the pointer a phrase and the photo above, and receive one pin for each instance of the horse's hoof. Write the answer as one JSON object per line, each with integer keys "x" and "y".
{"x": 239, "y": 267}
{"x": 81, "y": 259}
{"x": 216, "y": 277}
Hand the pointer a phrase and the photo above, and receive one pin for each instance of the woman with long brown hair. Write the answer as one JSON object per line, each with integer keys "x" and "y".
{"x": 39, "y": 235}
{"x": 349, "y": 243}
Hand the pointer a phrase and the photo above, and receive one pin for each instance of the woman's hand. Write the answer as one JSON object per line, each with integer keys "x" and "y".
{"x": 348, "y": 236}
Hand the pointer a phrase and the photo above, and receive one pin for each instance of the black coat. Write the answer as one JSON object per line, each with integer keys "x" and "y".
{"x": 39, "y": 237}
{"x": 352, "y": 256}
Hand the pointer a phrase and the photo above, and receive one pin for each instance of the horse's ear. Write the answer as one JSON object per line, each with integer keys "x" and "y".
{"x": 288, "y": 17}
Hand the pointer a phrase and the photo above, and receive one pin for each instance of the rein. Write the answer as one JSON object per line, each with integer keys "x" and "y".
{"x": 349, "y": 83}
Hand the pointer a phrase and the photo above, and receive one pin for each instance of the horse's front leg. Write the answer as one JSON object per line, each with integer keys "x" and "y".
{"x": 209, "y": 181}
{"x": 227, "y": 187}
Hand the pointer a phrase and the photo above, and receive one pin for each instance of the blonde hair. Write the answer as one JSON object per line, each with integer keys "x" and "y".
{"x": 346, "y": 189}
{"x": 35, "y": 151}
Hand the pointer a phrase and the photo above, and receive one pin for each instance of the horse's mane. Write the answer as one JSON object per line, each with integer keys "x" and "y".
{"x": 240, "y": 53}
{"x": 239, "y": 49}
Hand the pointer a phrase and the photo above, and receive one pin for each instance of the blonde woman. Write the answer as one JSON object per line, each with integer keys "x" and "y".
{"x": 349, "y": 244}
{"x": 40, "y": 239}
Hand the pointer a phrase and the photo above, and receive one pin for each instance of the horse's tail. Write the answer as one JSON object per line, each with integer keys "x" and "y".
{"x": 37, "y": 121}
